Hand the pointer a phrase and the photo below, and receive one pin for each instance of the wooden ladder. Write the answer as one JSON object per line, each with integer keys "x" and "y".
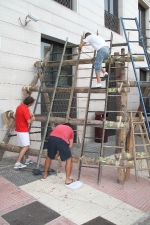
{"x": 140, "y": 151}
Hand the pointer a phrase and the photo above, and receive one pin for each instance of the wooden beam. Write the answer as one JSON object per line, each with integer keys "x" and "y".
{"x": 90, "y": 61}
{"x": 76, "y": 90}
{"x": 75, "y": 159}
{"x": 66, "y": 90}
{"x": 80, "y": 122}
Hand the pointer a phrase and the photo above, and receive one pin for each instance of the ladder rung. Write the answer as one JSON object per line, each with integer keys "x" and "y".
{"x": 97, "y": 99}
{"x": 114, "y": 95}
{"x": 135, "y": 42}
{"x": 137, "y": 54}
{"x": 142, "y": 169}
{"x": 142, "y": 145}
{"x": 72, "y": 46}
{"x": 89, "y": 166}
{"x": 131, "y": 29}
{"x": 106, "y": 146}
{"x": 128, "y": 18}
{"x": 138, "y": 122}
{"x": 140, "y": 133}
{"x": 119, "y": 44}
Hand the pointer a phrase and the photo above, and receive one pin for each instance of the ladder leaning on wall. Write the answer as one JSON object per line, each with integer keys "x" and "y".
{"x": 135, "y": 68}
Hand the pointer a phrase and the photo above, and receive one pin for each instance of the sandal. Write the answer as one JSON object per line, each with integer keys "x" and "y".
{"x": 72, "y": 181}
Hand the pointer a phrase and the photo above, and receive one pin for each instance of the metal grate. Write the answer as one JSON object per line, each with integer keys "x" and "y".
{"x": 112, "y": 22}
{"x": 66, "y": 3}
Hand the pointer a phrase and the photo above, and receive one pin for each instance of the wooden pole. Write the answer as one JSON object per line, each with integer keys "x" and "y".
{"x": 75, "y": 159}
{"x": 76, "y": 90}
{"x": 121, "y": 106}
{"x": 90, "y": 61}
{"x": 80, "y": 122}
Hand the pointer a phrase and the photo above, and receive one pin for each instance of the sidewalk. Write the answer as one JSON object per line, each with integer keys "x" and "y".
{"x": 49, "y": 201}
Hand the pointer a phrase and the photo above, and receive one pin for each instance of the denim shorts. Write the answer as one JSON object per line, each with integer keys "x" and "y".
{"x": 102, "y": 54}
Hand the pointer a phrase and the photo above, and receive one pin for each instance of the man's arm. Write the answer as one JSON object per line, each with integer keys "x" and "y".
{"x": 81, "y": 45}
{"x": 70, "y": 143}
{"x": 31, "y": 119}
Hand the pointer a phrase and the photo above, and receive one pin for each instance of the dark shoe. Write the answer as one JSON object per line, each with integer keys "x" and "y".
{"x": 105, "y": 77}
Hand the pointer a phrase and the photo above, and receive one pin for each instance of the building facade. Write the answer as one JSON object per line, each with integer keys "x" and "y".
{"x": 21, "y": 46}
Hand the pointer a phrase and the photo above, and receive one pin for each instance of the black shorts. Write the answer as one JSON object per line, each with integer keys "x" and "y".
{"x": 57, "y": 144}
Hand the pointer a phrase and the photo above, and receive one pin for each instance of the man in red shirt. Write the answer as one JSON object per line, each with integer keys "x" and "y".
{"x": 60, "y": 140}
{"x": 23, "y": 119}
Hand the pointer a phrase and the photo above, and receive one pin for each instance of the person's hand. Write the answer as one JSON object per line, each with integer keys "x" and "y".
{"x": 31, "y": 114}
{"x": 79, "y": 48}
{"x": 32, "y": 117}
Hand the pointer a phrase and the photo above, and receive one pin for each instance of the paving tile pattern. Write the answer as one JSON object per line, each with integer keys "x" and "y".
{"x": 99, "y": 221}
{"x": 34, "y": 213}
{"x": 12, "y": 197}
{"x": 136, "y": 194}
{"x": 61, "y": 221}
{"x": 83, "y": 204}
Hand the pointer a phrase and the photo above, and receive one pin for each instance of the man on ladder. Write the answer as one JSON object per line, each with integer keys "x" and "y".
{"x": 102, "y": 49}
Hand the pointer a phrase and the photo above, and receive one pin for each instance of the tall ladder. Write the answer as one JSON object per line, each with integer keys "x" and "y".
{"x": 53, "y": 100}
{"x": 83, "y": 150}
{"x": 140, "y": 150}
{"x": 135, "y": 68}
{"x": 119, "y": 147}
{"x": 83, "y": 137}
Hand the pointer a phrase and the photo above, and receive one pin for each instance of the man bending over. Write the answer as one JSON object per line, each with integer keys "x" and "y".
{"x": 60, "y": 140}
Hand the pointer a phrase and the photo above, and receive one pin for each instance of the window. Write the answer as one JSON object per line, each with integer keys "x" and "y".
{"x": 66, "y": 3}
{"x": 142, "y": 22}
{"x": 111, "y": 15}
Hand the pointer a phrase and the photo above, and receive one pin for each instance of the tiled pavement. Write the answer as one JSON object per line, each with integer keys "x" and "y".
{"x": 120, "y": 206}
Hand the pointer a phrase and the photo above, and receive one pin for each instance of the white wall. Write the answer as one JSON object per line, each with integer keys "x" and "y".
{"x": 21, "y": 46}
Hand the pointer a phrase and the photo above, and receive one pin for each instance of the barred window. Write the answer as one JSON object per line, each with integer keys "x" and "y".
{"x": 111, "y": 15}
{"x": 66, "y": 3}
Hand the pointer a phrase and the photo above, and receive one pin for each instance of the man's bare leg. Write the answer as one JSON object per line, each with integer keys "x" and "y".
{"x": 68, "y": 168}
{"x": 98, "y": 77}
{"x": 46, "y": 167}
{"x": 22, "y": 152}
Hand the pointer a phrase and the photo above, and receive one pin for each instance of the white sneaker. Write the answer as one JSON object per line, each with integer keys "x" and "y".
{"x": 19, "y": 165}
{"x": 28, "y": 161}
{"x": 98, "y": 85}
{"x": 105, "y": 76}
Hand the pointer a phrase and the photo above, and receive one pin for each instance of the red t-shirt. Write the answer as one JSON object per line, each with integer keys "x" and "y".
{"x": 22, "y": 115}
{"x": 64, "y": 132}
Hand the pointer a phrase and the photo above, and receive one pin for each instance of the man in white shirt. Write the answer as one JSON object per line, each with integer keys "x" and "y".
{"x": 102, "y": 49}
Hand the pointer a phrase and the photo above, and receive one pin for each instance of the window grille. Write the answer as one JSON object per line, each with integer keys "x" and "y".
{"x": 66, "y": 3}
{"x": 112, "y": 22}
